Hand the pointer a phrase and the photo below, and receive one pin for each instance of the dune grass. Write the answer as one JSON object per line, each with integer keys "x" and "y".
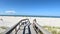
{"x": 3, "y": 27}
{"x": 53, "y": 30}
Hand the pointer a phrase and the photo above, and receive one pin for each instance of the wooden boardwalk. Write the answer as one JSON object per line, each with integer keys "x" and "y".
{"x": 32, "y": 29}
{"x": 26, "y": 30}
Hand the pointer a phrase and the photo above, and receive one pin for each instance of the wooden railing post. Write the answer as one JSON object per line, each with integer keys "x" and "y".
{"x": 19, "y": 26}
{"x": 15, "y": 30}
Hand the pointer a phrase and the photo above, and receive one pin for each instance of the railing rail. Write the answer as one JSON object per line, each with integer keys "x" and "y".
{"x": 9, "y": 31}
{"x": 41, "y": 29}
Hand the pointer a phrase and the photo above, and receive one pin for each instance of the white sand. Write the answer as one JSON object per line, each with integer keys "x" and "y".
{"x": 9, "y": 21}
{"x": 47, "y": 21}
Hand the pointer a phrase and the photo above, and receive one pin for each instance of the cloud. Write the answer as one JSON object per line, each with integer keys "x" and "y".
{"x": 10, "y": 12}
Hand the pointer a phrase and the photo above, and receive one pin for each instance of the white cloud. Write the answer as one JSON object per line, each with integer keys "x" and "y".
{"x": 7, "y": 12}
{"x": 10, "y": 12}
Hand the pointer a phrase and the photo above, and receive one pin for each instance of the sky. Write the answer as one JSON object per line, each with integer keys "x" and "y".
{"x": 30, "y": 7}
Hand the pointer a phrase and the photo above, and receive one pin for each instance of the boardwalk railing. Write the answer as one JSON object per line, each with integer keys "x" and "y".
{"x": 36, "y": 26}
{"x": 39, "y": 29}
{"x": 9, "y": 31}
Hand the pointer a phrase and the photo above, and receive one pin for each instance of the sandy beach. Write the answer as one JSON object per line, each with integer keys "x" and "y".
{"x": 11, "y": 20}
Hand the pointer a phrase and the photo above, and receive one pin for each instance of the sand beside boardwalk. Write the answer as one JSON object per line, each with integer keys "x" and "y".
{"x": 8, "y": 21}
{"x": 11, "y": 20}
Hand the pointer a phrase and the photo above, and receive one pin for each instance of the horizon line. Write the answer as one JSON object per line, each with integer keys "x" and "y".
{"x": 32, "y": 16}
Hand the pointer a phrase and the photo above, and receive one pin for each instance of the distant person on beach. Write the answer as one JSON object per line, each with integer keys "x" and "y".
{"x": 1, "y": 19}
